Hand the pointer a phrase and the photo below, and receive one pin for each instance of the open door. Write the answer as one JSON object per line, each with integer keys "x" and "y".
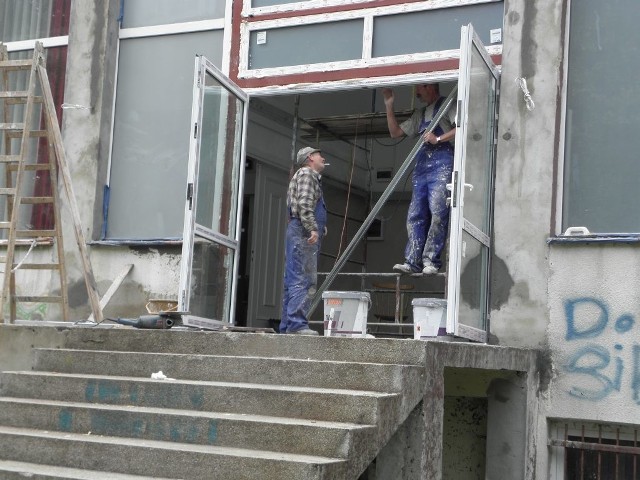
{"x": 267, "y": 246}
{"x": 472, "y": 192}
{"x": 215, "y": 178}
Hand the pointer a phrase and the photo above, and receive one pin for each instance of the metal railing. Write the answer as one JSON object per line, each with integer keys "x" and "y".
{"x": 392, "y": 313}
{"x": 404, "y": 168}
{"x": 604, "y": 452}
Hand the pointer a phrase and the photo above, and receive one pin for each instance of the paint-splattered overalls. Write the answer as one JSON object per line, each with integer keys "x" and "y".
{"x": 428, "y": 215}
{"x": 301, "y": 270}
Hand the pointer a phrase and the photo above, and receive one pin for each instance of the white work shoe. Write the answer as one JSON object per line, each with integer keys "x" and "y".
{"x": 403, "y": 268}
{"x": 429, "y": 269}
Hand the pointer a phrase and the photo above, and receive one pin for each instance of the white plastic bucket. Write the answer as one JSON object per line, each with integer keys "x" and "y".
{"x": 429, "y": 318}
{"x": 345, "y": 313}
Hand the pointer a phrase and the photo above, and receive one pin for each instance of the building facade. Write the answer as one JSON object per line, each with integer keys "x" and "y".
{"x": 564, "y": 222}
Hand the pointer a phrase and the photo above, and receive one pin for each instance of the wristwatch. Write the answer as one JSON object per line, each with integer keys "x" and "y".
{"x": 437, "y": 139}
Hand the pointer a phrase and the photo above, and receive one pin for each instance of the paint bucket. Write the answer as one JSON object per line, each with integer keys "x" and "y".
{"x": 345, "y": 313}
{"x": 429, "y": 318}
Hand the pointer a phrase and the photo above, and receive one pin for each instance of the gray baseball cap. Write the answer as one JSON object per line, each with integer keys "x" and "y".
{"x": 303, "y": 153}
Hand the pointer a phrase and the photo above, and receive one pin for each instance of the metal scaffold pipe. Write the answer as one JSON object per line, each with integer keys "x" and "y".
{"x": 340, "y": 262}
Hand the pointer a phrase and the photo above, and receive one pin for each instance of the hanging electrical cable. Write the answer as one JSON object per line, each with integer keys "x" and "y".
{"x": 346, "y": 208}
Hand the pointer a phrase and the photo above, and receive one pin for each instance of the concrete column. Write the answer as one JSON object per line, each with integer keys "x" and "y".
{"x": 401, "y": 457}
{"x": 433, "y": 406}
{"x": 86, "y": 126}
{"x": 506, "y": 429}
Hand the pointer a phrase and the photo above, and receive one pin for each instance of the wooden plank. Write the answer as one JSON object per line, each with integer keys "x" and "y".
{"x": 47, "y": 241}
{"x": 38, "y": 299}
{"x": 16, "y": 64}
{"x": 50, "y": 113}
{"x": 57, "y": 221}
{"x": 9, "y": 158}
{"x": 35, "y": 200}
{"x": 39, "y": 266}
{"x": 32, "y": 133}
{"x": 34, "y": 233}
{"x": 14, "y": 94}
{"x": 20, "y": 101}
{"x": 7, "y": 191}
{"x": 12, "y": 126}
{"x": 112, "y": 289}
{"x": 30, "y": 167}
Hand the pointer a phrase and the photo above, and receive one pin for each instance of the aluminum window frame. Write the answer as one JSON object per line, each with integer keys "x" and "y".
{"x": 368, "y": 16}
{"x": 217, "y": 24}
{"x": 558, "y": 234}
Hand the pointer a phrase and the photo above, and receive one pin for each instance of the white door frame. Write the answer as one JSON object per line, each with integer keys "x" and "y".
{"x": 203, "y": 67}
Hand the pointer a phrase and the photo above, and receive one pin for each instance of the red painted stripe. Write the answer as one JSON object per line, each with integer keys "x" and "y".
{"x": 42, "y": 217}
{"x": 323, "y": 10}
{"x": 353, "y": 73}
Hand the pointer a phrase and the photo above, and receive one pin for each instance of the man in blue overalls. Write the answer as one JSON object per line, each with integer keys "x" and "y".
{"x": 428, "y": 215}
{"x": 307, "y": 226}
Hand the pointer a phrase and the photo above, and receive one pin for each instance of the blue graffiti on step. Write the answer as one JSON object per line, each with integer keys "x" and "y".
{"x": 597, "y": 370}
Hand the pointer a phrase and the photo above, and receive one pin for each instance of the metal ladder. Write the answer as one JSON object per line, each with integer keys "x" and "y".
{"x": 32, "y": 145}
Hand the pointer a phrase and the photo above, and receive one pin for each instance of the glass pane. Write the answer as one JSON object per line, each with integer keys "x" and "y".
{"x": 21, "y": 20}
{"x": 221, "y": 132}
{"x": 211, "y": 276}
{"x": 433, "y": 30}
{"x": 143, "y": 13}
{"x": 473, "y": 282}
{"x": 151, "y": 133}
{"x": 601, "y": 170}
{"x": 299, "y": 45}
{"x": 479, "y": 142}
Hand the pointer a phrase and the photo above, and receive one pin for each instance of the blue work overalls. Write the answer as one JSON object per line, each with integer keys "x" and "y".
{"x": 428, "y": 215}
{"x": 301, "y": 270}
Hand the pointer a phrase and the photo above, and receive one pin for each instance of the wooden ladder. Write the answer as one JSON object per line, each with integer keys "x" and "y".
{"x": 30, "y": 133}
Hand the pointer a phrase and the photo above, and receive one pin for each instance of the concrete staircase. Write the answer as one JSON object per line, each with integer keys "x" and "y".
{"x": 235, "y": 405}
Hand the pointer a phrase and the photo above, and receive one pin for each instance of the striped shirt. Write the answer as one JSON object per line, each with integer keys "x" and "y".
{"x": 303, "y": 195}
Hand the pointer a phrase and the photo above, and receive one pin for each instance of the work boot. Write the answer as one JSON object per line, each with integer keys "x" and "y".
{"x": 403, "y": 268}
{"x": 429, "y": 269}
{"x": 305, "y": 331}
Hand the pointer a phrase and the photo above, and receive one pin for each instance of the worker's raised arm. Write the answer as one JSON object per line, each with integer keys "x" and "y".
{"x": 394, "y": 128}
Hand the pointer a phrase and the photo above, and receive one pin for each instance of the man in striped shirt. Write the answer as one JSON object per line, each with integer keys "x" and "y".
{"x": 307, "y": 226}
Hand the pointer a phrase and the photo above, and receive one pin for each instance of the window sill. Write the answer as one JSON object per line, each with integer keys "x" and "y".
{"x": 601, "y": 238}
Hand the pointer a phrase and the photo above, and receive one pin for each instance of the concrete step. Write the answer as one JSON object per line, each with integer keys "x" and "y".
{"x": 20, "y": 471}
{"x": 275, "y": 371}
{"x": 333, "y": 405}
{"x": 161, "y": 459}
{"x": 284, "y": 435}
{"x": 367, "y": 350}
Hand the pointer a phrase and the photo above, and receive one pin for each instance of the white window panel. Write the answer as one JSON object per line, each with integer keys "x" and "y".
{"x": 467, "y": 10}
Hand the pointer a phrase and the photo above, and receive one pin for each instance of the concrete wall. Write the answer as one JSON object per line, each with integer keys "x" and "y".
{"x": 527, "y": 152}
{"x": 593, "y": 332}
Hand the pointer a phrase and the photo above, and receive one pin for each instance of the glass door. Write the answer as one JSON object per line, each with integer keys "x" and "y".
{"x": 213, "y": 195}
{"x": 472, "y": 192}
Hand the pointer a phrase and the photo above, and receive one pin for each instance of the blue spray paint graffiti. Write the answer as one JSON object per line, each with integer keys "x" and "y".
{"x": 587, "y": 318}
